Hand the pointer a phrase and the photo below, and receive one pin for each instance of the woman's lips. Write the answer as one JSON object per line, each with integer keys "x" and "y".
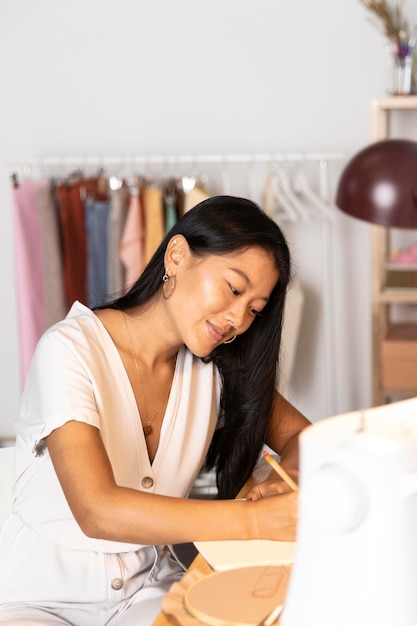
{"x": 215, "y": 332}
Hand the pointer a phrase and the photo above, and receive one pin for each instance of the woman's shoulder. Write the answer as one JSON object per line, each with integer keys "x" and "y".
{"x": 81, "y": 327}
{"x": 78, "y": 316}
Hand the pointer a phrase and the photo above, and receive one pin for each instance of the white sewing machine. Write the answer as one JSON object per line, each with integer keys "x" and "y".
{"x": 356, "y": 555}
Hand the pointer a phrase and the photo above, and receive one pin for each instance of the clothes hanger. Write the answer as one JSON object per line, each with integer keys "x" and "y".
{"x": 226, "y": 182}
{"x": 251, "y": 178}
{"x": 291, "y": 196}
{"x": 268, "y": 200}
{"x": 25, "y": 173}
{"x": 282, "y": 201}
{"x": 188, "y": 183}
{"x": 302, "y": 186}
{"x": 103, "y": 187}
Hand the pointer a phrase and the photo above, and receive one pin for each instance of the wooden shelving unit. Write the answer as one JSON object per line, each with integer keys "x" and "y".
{"x": 394, "y": 345}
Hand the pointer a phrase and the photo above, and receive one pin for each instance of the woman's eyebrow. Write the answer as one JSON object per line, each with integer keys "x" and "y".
{"x": 243, "y": 275}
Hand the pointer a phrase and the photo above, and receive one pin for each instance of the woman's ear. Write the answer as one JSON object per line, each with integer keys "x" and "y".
{"x": 177, "y": 249}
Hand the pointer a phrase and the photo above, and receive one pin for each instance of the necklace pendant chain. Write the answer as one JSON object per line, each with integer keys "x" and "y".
{"x": 147, "y": 428}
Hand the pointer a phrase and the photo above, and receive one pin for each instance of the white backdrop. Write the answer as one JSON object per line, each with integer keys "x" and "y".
{"x": 132, "y": 77}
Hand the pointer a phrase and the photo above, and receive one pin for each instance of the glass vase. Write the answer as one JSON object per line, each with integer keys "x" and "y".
{"x": 403, "y": 82}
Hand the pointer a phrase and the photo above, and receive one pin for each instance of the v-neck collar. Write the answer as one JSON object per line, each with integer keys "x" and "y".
{"x": 113, "y": 355}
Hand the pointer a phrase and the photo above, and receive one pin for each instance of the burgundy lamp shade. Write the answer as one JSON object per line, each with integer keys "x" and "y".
{"x": 379, "y": 184}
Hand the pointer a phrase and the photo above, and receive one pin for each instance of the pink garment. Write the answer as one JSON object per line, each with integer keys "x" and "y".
{"x": 132, "y": 242}
{"x": 29, "y": 271}
{"x": 407, "y": 256}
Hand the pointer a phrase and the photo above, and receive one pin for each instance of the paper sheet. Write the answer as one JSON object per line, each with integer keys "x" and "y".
{"x": 224, "y": 555}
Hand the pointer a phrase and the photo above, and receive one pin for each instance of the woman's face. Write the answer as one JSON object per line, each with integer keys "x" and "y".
{"x": 219, "y": 296}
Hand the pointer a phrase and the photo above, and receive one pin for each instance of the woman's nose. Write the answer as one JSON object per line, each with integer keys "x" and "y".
{"x": 231, "y": 321}
{"x": 236, "y": 316}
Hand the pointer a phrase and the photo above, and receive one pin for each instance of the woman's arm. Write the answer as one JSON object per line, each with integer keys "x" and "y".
{"x": 106, "y": 511}
{"x": 285, "y": 426}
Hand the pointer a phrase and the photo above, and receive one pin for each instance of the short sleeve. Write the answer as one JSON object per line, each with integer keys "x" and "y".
{"x": 58, "y": 389}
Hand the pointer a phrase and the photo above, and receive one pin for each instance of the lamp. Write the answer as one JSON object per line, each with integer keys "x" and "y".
{"x": 379, "y": 184}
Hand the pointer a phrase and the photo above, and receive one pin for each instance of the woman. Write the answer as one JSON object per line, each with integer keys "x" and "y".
{"x": 123, "y": 406}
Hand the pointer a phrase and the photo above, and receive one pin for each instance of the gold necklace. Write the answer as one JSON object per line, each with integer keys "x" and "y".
{"x": 147, "y": 428}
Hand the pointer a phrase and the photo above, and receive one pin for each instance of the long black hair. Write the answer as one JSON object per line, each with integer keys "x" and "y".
{"x": 248, "y": 367}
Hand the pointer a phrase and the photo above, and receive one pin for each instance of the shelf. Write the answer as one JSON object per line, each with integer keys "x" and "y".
{"x": 399, "y": 267}
{"x": 394, "y": 346}
{"x": 397, "y": 295}
{"x": 393, "y": 103}
{"x": 400, "y": 285}
{"x": 402, "y": 331}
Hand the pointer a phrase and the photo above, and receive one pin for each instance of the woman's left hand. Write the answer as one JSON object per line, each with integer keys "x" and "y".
{"x": 272, "y": 486}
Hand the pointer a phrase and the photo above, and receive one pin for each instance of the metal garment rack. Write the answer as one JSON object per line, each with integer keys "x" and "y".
{"x": 26, "y": 165}
{"x": 31, "y": 167}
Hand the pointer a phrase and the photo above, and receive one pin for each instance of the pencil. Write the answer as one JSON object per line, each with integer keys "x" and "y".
{"x": 279, "y": 470}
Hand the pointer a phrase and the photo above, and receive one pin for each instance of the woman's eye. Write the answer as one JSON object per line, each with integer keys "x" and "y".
{"x": 255, "y": 312}
{"x": 234, "y": 291}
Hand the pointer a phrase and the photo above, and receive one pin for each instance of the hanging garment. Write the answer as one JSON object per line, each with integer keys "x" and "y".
{"x": 131, "y": 249}
{"x": 293, "y": 315}
{"x": 170, "y": 204}
{"x": 154, "y": 219}
{"x": 96, "y": 223}
{"x": 119, "y": 204}
{"x": 47, "y": 208}
{"x": 268, "y": 200}
{"x": 194, "y": 196}
{"x": 74, "y": 242}
{"x": 29, "y": 270}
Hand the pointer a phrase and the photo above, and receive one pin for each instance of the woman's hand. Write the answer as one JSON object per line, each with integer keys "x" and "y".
{"x": 272, "y": 486}
{"x": 277, "y": 516}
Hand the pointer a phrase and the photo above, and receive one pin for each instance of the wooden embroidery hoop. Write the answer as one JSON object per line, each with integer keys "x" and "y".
{"x": 238, "y": 597}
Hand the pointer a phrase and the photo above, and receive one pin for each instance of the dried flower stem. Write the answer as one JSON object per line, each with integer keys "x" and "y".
{"x": 395, "y": 26}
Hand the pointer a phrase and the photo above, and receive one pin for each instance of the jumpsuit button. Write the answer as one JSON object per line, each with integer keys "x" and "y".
{"x": 116, "y": 584}
{"x": 147, "y": 482}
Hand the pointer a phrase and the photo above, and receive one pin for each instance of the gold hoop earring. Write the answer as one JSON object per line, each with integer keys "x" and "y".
{"x": 169, "y": 284}
{"x": 230, "y": 340}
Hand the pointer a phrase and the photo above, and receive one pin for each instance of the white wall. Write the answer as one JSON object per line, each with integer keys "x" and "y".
{"x": 132, "y": 77}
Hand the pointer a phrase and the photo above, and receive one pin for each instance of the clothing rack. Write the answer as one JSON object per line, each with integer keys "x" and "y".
{"x": 27, "y": 164}
{"x": 225, "y": 165}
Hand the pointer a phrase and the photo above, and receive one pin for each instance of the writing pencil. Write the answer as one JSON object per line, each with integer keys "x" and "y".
{"x": 279, "y": 470}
